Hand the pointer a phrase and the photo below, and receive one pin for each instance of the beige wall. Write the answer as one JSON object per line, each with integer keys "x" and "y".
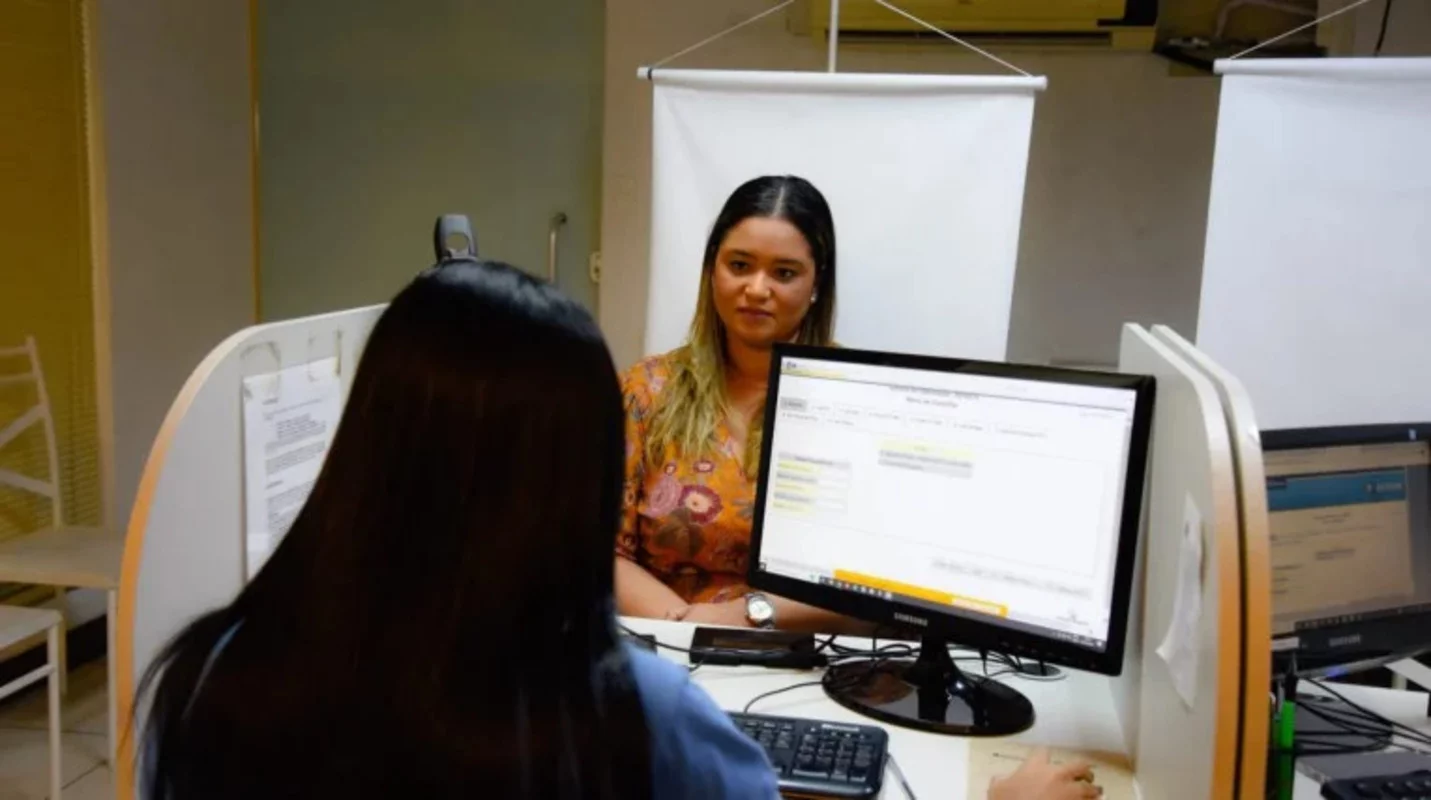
{"x": 377, "y": 119}
{"x": 173, "y": 77}
{"x": 1116, "y": 202}
{"x": 1408, "y": 28}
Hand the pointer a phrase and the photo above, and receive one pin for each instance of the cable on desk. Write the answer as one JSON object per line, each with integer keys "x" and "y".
{"x": 899, "y": 775}
{"x": 903, "y": 648}
{"x": 1361, "y": 713}
{"x": 1353, "y": 720}
{"x": 841, "y": 652}
{"x": 845, "y": 652}
{"x": 1366, "y": 714}
{"x": 1019, "y": 671}
{"x": 737, "y": 652}
{"x": 878, "y": 655}
{"x": 1334, "y": 742}
{"x": 782, "y": 690}
{"x": 826, "y": 680}
{"x": 1346, "y": 721}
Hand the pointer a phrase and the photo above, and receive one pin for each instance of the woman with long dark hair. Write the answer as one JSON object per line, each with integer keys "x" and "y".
{"x": 438, "y": 622}
{"x": 695, "y": 415}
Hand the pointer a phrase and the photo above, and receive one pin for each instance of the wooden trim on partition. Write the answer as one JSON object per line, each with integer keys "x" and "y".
{"x": 1257, "y": 666}
{"x": 255, "y": 167}
{"x": 1165, "y": 752}
{"x": 129, "y": 571}
{"x": 1227, "y": 740}
{"x": 1223, "y": 516}
{"x": 99, "y": 262}
{"x": 1228, "y": 553}
{"x": 1255, "y": 554}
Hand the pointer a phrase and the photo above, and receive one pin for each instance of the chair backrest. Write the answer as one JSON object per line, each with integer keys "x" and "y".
{"x": 37, "y": 414}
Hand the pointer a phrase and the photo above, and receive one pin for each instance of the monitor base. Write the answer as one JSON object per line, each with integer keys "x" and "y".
{"x": 930, "y": 694}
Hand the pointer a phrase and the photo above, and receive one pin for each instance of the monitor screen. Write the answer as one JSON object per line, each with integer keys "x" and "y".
{"x": 1351, "y": 538}
{"x": 988, "y": 500}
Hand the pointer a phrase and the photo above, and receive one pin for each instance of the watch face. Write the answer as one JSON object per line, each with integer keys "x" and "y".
{"x": 759, "y": 609}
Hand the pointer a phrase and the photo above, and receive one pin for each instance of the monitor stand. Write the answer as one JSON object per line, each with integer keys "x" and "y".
{"x": 929, "y": 693}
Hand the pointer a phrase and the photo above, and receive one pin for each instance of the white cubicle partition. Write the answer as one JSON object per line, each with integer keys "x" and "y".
{"x": 1186, "y": 740}
{"x": 1246, "y": 443}
{"x": 185, "y": 553}
{"x": 184, "y": 549}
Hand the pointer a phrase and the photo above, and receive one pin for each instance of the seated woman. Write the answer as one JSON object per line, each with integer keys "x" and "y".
{"x": 438, "y": 621}
{"x": 695, "y": 415}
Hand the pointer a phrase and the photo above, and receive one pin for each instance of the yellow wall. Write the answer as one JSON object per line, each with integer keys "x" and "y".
{"x": 45, "y": 270}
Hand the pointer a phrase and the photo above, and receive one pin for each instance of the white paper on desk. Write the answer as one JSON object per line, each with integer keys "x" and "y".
{"x": 1179, "y": 649}
{"x": 289, "y": 418}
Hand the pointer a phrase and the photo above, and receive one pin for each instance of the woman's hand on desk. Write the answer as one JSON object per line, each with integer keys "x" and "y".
{"x": 730, "y": 613}
{"x": 789, "y": 615}
{"x": 1038, "y": 779}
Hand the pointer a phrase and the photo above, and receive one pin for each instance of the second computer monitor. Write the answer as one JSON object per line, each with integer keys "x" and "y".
{"x": 1350, "y": 517}
{"x": 990, "y": 504}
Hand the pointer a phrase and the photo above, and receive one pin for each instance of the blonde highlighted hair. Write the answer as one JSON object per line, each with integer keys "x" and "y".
{"x": 694, "y": 400}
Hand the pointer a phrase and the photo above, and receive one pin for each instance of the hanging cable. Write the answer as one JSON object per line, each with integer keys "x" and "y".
{"x": 951, "y": 37}
{"x": 1385, "y": 17}
{"x": 645, "y": 72}
{"x": 1319, "y": 20}
{"x": 702, "y": 43}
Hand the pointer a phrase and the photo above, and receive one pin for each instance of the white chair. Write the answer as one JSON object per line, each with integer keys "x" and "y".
{"x": 58, "y": 556}
{"x": 19, "y": 625}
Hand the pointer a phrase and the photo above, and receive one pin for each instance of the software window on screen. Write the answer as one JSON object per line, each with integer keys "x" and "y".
{"x": 1349, "y": 530}
{"x": 990, "y": 495}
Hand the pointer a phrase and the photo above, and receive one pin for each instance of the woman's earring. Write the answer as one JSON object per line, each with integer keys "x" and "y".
{"x": 813, "y": 297}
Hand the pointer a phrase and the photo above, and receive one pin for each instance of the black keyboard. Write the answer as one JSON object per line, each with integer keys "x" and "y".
{"x": 820, "y": 759}
{"x": 1414, "y": 785}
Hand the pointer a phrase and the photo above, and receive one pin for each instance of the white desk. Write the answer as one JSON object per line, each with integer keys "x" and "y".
{"x": 1076, "y": 712}
{"x": 1407, "y": 708}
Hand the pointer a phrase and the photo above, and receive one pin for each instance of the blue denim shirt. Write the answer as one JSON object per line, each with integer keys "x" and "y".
{"x": 697, "y": 753}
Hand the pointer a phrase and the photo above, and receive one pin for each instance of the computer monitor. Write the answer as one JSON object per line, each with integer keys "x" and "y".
{"x": 995, "y": 505}
{"x": 1349, "y": 511}
{"x": 1349, "y": 514}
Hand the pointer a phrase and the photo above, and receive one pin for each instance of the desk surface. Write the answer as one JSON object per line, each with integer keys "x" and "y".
{"x": 1076, "y": 712}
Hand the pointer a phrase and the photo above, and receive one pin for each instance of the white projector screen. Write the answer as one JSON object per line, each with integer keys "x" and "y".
{"x": 1316, "y": 287}
{"x": 924, "y": 175}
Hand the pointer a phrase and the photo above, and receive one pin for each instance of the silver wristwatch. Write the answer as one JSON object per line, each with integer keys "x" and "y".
{"x": 759, "y": 611}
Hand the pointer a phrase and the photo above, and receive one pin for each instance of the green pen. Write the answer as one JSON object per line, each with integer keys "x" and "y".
{"x": 1286, "y": 740}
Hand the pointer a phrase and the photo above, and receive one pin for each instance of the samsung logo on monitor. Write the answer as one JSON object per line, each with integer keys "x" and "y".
{"x": 1344, "y": 641}
{"x": 912, "y": 620}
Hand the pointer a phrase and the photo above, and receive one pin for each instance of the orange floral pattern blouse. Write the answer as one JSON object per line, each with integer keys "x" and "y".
{"x": 686, "y": 520}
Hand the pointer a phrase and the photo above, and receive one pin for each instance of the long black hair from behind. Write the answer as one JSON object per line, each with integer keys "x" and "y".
{"x": 438, "y": 622}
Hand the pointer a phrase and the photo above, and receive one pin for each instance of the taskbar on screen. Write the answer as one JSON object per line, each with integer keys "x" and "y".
{"x": 933, "y": 600}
